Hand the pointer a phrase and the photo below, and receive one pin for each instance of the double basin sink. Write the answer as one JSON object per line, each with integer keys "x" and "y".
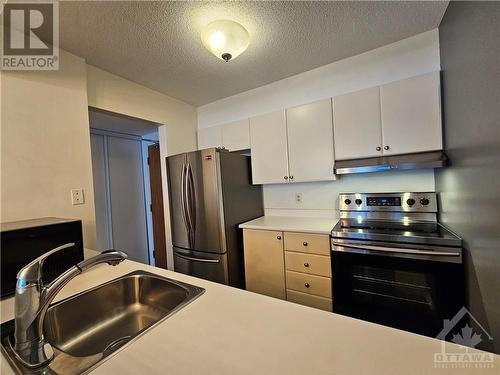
{"x": 85, "y": 329}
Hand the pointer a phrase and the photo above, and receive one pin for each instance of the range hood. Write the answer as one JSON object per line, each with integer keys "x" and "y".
{"x": 433, "y": 159}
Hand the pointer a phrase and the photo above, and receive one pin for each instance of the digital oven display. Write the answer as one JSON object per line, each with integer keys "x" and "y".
{"x": 384, "y": 201}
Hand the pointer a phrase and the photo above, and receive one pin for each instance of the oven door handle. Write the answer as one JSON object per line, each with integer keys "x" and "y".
{"x": 396, "y": 249}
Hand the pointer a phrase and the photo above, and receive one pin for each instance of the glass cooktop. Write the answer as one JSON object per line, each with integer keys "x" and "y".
{"x": 396, "y": 231}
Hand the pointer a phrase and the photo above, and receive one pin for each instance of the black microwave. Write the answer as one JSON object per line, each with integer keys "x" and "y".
{"x": 23, "y": 241}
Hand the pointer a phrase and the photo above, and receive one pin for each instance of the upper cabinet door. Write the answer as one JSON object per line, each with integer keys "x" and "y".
{"x": 236, "y": 135}
{"x": 357, "y": 124}
{"x": 269, "y": 148}
{"x": 310, "y": 142}
{"x": 411, "y": 115}
{"x": 210, "y": 137}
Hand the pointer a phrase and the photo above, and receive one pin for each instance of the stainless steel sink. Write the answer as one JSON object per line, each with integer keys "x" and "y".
{"x": 90, "y": 326}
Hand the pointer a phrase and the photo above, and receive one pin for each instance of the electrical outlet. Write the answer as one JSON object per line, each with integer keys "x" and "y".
{"x": 77, "y": 196}
{"x": 298, "y": 197}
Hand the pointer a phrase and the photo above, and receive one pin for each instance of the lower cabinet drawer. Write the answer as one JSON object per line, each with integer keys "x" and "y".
{"x": 310, "y": 284}
{"x": 308, "y": 263}
{"x": 308, "y": 243}
{"x": 309, "y": 300}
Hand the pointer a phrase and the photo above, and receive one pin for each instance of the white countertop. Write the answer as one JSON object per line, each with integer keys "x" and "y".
{"x": 292, "y": 224}
{"x": 231, "y": 331}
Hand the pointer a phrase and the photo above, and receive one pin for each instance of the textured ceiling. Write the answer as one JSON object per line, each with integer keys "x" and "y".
{"x": 157, "y": 44}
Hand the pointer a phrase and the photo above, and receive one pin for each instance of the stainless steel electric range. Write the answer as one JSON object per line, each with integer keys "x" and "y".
{"x": 394, "y": 264}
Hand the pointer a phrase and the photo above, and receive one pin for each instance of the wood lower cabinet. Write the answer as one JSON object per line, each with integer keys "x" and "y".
{"x": 264, "y": 262}
{"x": 307, "y": 243}
{"x": 308, "y": 263}
{"x": 289, "y": 265}
{"x": 309, "y": 300}
{"x": 309, "y": 284}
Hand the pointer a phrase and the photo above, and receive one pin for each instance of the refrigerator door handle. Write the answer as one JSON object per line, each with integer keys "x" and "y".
{"x": 183, "y": 197}
{"x": 191, "y": 200}
{"x": 202, "y": 260}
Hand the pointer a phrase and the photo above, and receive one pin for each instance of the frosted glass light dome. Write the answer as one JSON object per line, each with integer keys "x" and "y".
{"x": 225, "y": 39}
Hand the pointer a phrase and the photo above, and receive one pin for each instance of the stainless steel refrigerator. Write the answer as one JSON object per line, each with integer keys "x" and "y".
{"x": 211, "y": 193}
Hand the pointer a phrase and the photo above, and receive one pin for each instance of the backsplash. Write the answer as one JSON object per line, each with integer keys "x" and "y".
{"x": 319, "y": 199}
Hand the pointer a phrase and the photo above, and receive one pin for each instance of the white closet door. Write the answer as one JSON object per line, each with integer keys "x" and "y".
{"x": 358, "y": 129}
{"x": 411, "y": 115}
{"x": 210, "y": 137}
{"x": 310, "y": 141}
{"x": 128, "y": 209}
{"x": 236, "y": 135}
{"x": 101, "y": 199}
{"x": 269, "y": 148}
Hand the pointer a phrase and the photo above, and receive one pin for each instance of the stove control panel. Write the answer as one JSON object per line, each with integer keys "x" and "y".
{"x": 406, "y": 202}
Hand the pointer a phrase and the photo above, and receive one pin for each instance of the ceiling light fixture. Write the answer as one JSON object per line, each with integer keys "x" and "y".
{"x": 225, "y": 39}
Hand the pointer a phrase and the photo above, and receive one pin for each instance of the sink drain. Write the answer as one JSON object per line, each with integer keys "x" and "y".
{"x": 115, "y": 344}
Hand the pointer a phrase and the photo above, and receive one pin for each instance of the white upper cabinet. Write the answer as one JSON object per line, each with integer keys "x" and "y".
{"x": 209, "y": 137}
{"x": 357, "y": 124}
{"x": 411, "y": 115}
{"x": 236, "y": 135}
{"x": 232, "y": 136}
{"x": 310, "y": 142}
{"x": 269, "y": 148}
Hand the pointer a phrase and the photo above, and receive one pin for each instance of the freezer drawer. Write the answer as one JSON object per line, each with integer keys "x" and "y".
{"x": 206, "y": 266}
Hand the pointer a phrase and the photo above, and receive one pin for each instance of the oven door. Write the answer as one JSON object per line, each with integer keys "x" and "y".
{"x": 401, "y": 292}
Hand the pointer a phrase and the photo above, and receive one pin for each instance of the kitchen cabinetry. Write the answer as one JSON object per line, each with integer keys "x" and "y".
{"x": 401, "y": 117}
{"x": 295, "y": 267}
{"x": 233, "y": 136}
{"x": 411, "y": 115}
{"x": 209, "y": 137}
{"x": 236, "y": 135}
{"x": 310, "y": 142}
{"x": 293, "y": 145}
{"x": 264, "y": 262}
{"x": 308, "y": 269}
{"x": 357, "y": 124}
{"x": 269, "y": 148}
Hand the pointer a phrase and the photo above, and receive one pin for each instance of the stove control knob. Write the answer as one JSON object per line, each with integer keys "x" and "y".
{"x": 424, "y": 201}
{"x": 347, "y": 201}
{"x": 410, "y": 202}
{"x": 358, "y": 201}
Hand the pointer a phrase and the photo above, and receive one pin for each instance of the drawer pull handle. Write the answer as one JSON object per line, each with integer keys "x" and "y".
{"x": 278, "y": 237}
{"x": 306, "y": 285}
{"x": 304, "y": 243}
{"x": 306, "y": 264}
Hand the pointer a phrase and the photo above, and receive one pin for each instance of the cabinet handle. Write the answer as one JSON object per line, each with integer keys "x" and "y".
{"x": 278, "y": 237}
{"x": 306, "y": 285}
{"x": 386, "y": 147}
{"x": 304, "y": 243}
{"x": 379, "y": 148}
{"x": 306, "y": 264}
{"x": 285, "y": 177}
{"x": 291, "y": 177}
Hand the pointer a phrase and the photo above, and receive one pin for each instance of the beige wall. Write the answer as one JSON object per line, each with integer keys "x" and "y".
{"x": 45, "y": 144}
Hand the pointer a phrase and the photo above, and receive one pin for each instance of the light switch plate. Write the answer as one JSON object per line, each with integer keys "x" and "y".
{"x": 77, "y": 196}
